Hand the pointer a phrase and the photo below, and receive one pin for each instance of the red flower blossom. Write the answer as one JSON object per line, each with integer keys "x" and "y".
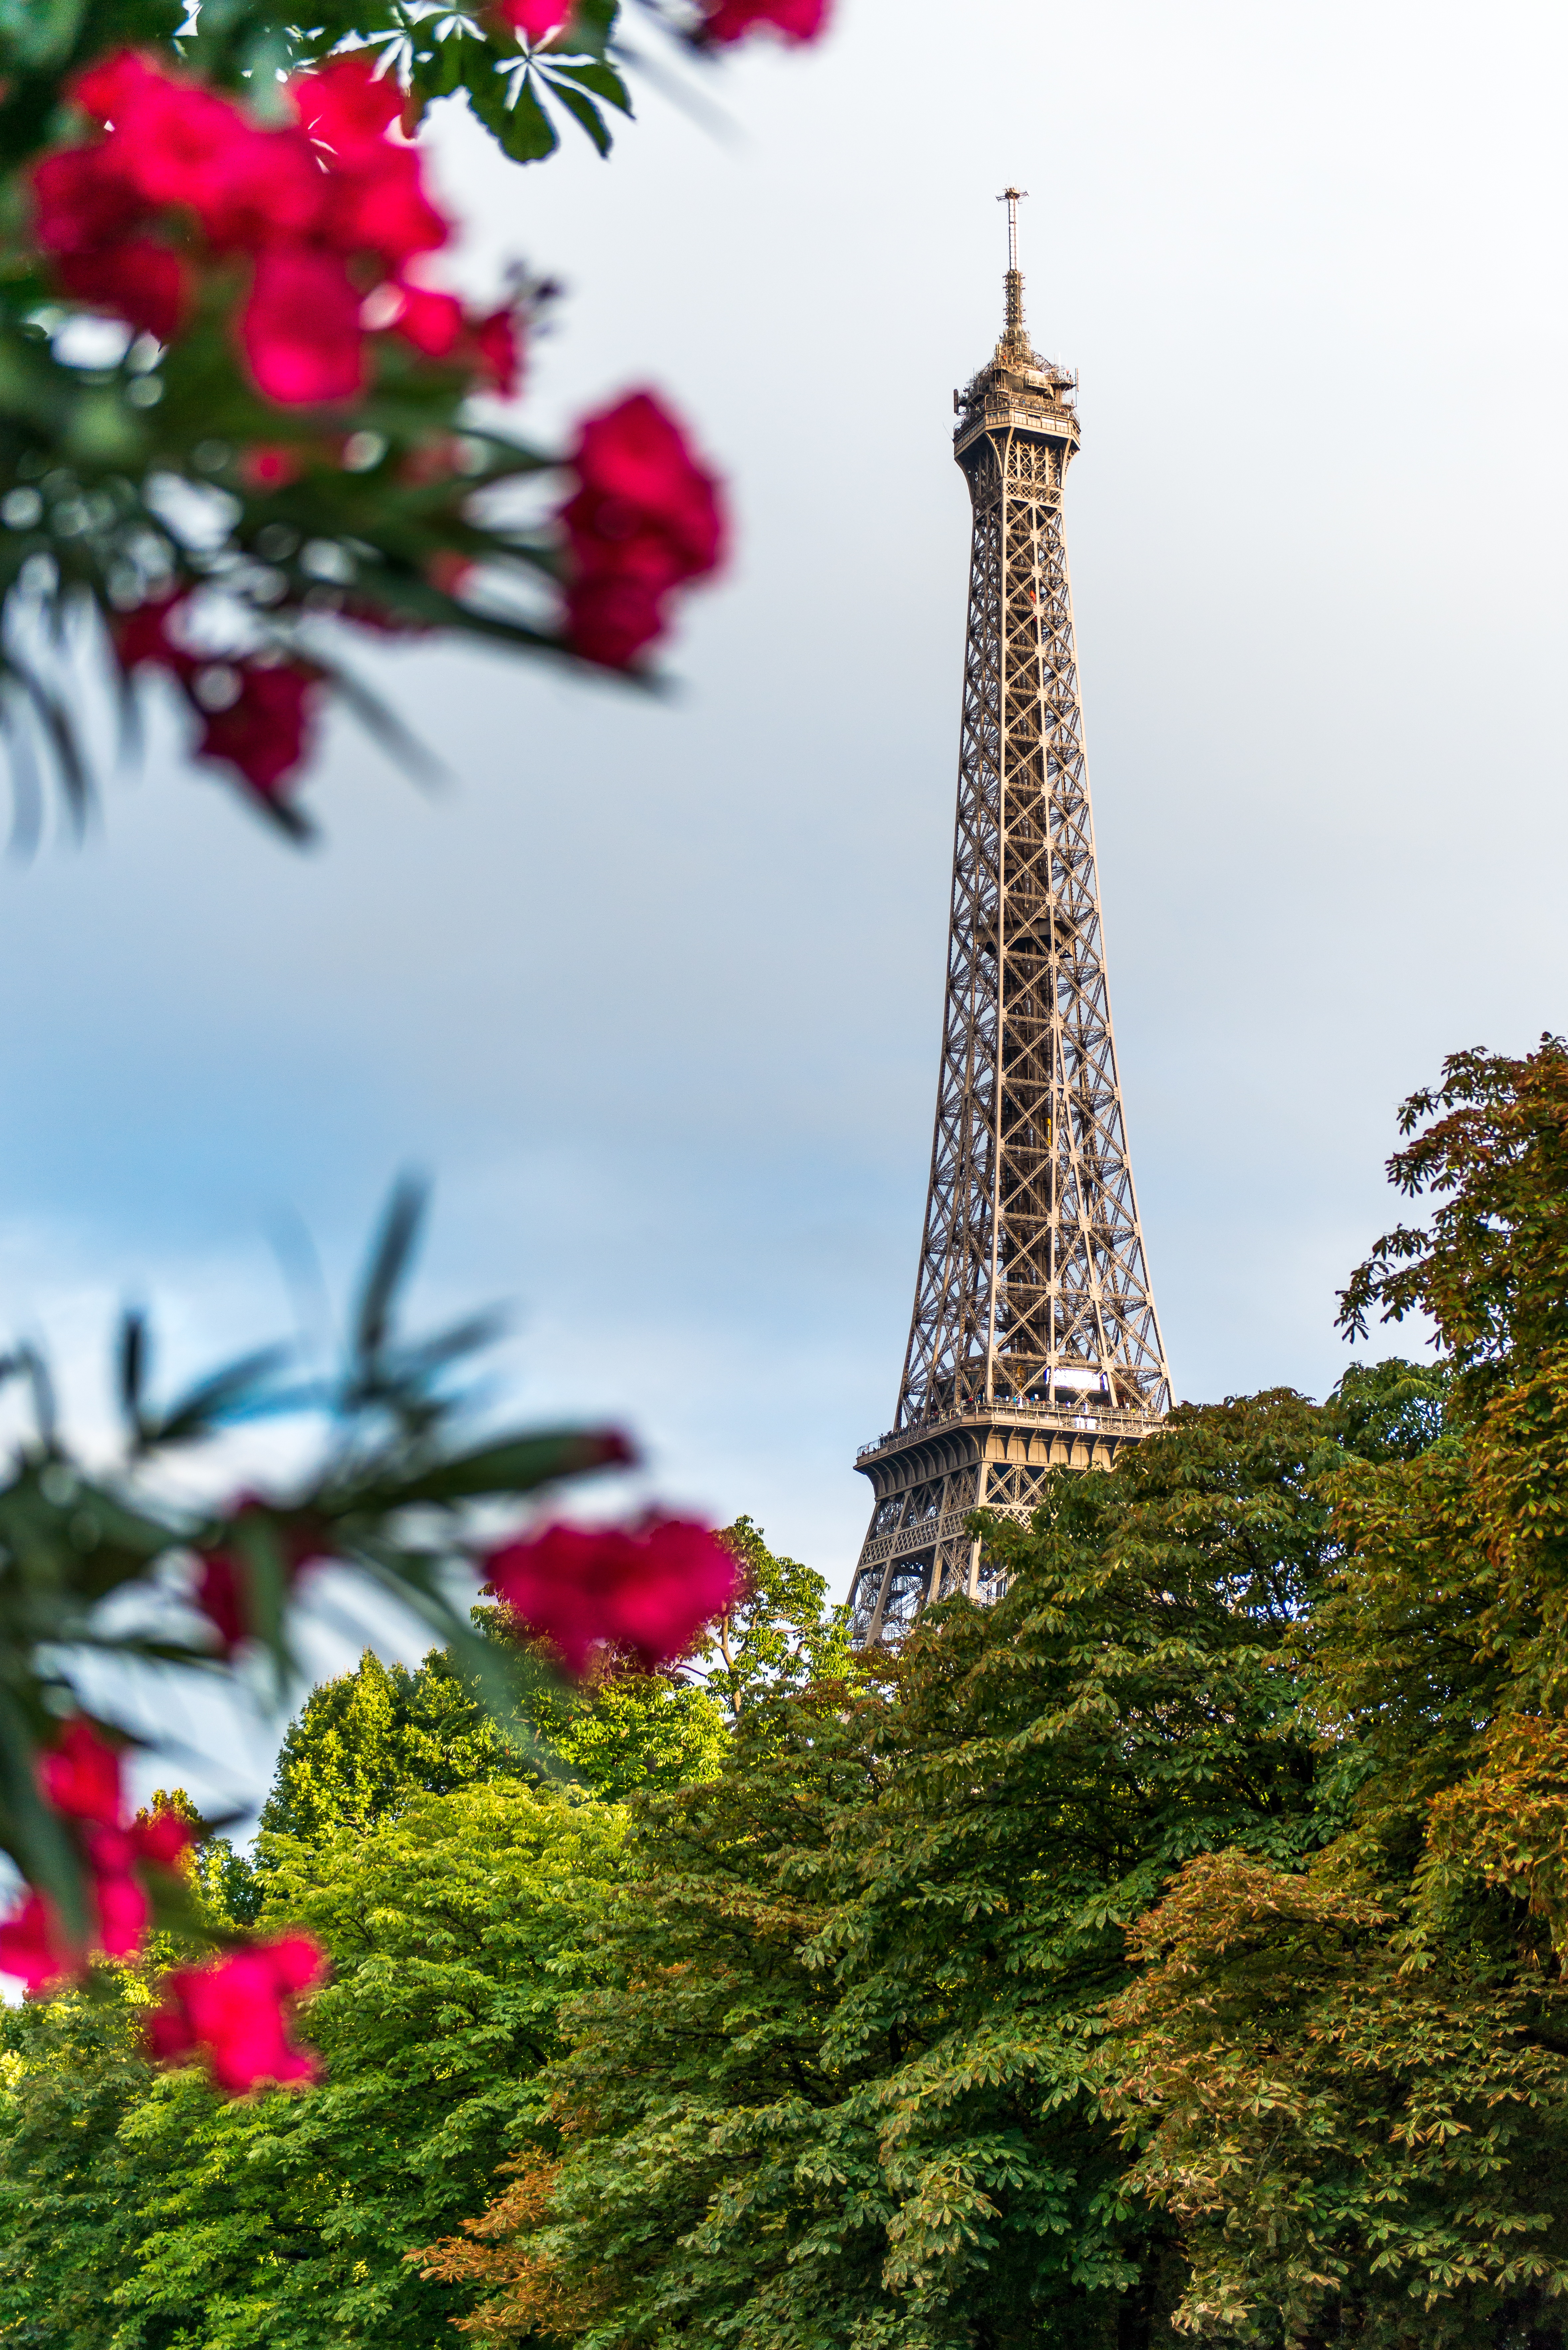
{"x": 537, "y": 20}
{"x": 80, "y": 1779}
{"x": 217, "y": 1595}
{"x": 378, "y": 206}
{"x": 223, "y": 1583}
{"x": 270, "y": 465}
{"x": 498, "y": 347}
{"x": 647, "y": 1588}
{"x": 300, "y": 330}
{"x": 119, "y": 1896}
{"x": 797, "y": 20}
{"x": 326, "y": 208}
{"x": 83, "y": 197}
{"x": 232, "y": 2011}
{"x": 137, "y": 278}
{"x": 433, "y": 323}
{"x": 32, "y": 1948}
{"x": 345, "y": 106}
{"x": 646, "y": 517}
{"x": 264, "y": 726}
{"x": 164, "y": 1839}
{"x": 142, "y": 636}
{"x": 266, "y": 731}
{"x": 611, "y": 619}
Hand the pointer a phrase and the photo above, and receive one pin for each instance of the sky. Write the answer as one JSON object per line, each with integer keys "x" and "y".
{"x": 651, "y": 987}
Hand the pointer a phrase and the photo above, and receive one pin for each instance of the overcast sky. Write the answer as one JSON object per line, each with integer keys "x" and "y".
{"x": 654, "y": 992}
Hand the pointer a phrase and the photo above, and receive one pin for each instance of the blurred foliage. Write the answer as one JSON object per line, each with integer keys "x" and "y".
{"x": 101, "y": 1564}
{"x": 128, "y": 467}
{"x": 436, "y": 51}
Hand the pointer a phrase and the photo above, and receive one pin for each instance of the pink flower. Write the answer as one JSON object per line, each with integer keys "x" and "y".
{"x": 84, "y": 198}
{"x": 136, "y": 277}
{"x": 640, "y": 480}
{"x": 119, "y": 1896}
{"x": 433, "y": 323}
{"x": 232, "y": 2011}
{"x": 222, "y": 1584}
{"x": 300, "y": 330}
{"x": 797, "y": 20}
{"x": 80, "y": 1777}
{"x": 647, "y": 1588}
{"x": 498, "y": 347}
{"x": 645, "y": 517}
{"x": 163, "y": 1840}
{"x": 537, "y": 20}
{"x": 270, "y": 465}
{"x": 344, "y": 105}
{"x": 266, "y": 731}
{"x": 328, "y": 209}
{"x": 32, "y": 1948}
{"x": 217, "y": 1595}
{"x": 611, "y": 619}
{"x": 142, "y": 638}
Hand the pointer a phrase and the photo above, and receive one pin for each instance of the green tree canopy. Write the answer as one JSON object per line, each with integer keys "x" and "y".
{"x": 140, "y": 2213}
{"x": 1349, "y": 2085}
{"x": 844, "y": 2081}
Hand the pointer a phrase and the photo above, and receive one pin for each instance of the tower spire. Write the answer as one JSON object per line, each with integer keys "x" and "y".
{"x": 1033, "y": 1345}
{"x": 1013, "y": 282}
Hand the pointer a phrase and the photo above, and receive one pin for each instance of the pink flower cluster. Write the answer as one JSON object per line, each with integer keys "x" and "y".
{"x": 647, "y": 1588}
{"x": 537, "y": 20}
{"x": 645, "y": 519}
{"x": 797, "y": 20}
{"x": 256, "y": 714}
{"x": 327, "y": 211}
{"x": 724, "y": 21}
{"x": 232, "y": 2013}
{"x": 81, "y": 1780}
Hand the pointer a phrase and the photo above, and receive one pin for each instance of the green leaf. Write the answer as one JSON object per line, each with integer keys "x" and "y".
{"x": 518, "y": 1466}
{"x": 388, "y": 1269}
{"x": 602, "y": 79}
{"x": 523, "y": 127}
{"x": 586, "y": 113}
{"x": 240, "y": 1390}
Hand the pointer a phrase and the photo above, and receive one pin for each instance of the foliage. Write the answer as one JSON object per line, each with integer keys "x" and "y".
{"x": 845, "y": 2081}
{"x": 777, "y": 1633}
{"x": 140, "y": 2210}
{"x": 392, "y": 1493}
{"x": 367, "y": 1741}
{"x": 1350, "y": 2083}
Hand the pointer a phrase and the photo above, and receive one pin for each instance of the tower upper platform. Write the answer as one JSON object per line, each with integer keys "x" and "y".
{"x": 1017, "y": 389}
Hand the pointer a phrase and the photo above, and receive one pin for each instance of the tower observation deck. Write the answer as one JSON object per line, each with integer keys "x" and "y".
{"x": 1034, "y": 1342}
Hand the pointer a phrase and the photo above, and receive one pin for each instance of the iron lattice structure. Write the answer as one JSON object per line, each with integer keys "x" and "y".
{"x": 1034, "y": 1342}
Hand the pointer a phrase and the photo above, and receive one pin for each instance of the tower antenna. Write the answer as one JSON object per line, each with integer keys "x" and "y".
{"x": 1011, "y": 198}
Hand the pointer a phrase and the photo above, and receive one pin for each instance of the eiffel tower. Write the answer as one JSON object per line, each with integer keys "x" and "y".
{"x": 1034, "y": 1342}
